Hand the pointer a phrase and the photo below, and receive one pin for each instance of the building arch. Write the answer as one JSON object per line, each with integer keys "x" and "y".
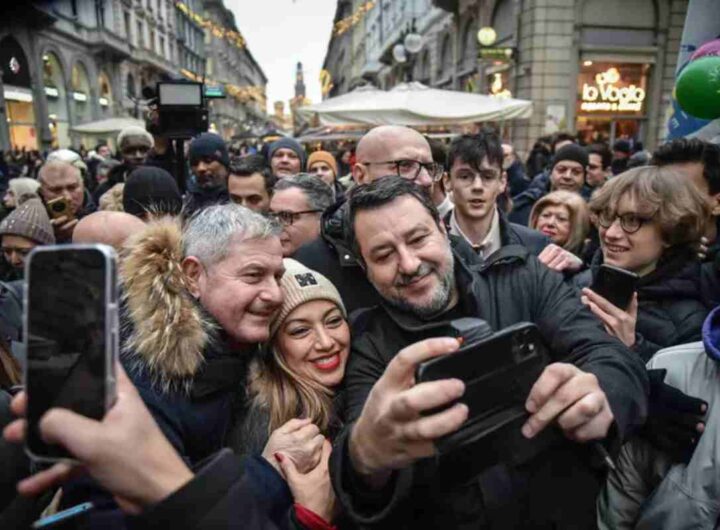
{"x": 468, "y": 45}
{"x": 503, "y": 20}
{"x": 81, "y": 92}
{"x": 18, "y": 93}
{"x": 56, "y": 94}
{"x": 106, "y": 99}
{"x": 444, "y": 65}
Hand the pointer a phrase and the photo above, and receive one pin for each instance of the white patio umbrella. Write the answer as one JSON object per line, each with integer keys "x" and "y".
{"x": 106, "y": 126}
{"x": 415, "y": 104}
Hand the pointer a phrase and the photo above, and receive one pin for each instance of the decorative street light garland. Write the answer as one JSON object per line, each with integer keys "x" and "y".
{"x": 348, "y": 22}
{"x": 216, "y": 30}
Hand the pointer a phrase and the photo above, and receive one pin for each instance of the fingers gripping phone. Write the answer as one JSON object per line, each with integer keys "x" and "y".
{"x": 71, "y": 336}
{"x": 616, "y": 285}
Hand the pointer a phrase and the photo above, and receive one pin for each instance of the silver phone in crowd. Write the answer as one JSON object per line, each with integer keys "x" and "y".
{"x": 71, "y": 336}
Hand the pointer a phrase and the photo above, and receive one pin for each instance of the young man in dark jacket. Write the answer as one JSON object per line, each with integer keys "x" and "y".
{"x": 477, "y": 179}
{"x": 384, "y": 466}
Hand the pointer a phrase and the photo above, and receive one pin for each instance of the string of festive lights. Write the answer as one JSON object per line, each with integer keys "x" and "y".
{"x": 348, "y": 22}
{"x": 241, "y": 93}
{"x": 216, "y": 30}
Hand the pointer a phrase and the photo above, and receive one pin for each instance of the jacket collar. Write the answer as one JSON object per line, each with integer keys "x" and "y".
{"x": 167, "y": 330}
{"x": 507, "y": 235}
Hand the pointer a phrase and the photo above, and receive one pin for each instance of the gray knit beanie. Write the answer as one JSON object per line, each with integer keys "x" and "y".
{"x": 31, "y": 221}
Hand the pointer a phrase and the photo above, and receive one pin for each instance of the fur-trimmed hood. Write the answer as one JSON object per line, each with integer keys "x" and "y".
{"x": 166, "y": 330}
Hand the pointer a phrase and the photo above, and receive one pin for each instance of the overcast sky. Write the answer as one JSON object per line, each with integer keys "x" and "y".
{"x": 280, "y": 33}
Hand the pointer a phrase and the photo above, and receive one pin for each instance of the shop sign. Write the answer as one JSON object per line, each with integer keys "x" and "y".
{"x": 52, "y": 92}
{"x": 607, "y": 95}
{"x": 103, "y": 101}
{"x": 495, "y": 53}
{"x": 79, "y": 96}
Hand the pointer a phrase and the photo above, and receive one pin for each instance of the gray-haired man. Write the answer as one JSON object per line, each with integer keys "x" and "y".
{"x": 297, "y": 203}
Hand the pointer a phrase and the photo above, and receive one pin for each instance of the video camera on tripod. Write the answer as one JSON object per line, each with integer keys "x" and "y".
{"x": 181, "y": 114}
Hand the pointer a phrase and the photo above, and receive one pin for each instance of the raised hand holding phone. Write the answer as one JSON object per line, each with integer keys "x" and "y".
{"x": 71, "y": 338}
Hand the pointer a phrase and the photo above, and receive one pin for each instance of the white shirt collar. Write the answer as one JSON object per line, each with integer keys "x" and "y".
{"x": 487, "y": 246}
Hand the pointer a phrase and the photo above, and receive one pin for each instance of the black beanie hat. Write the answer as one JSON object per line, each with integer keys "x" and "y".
{"x": 151, "y": 189}
{"x": 288, "y": 143}
{"x": 572, "y": 152}
{"x": 208, "y": 145}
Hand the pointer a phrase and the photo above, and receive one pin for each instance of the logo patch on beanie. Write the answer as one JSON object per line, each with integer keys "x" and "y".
{"x": 306, "y": 280}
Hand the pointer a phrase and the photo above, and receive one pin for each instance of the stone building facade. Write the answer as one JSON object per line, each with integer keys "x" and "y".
{"x": 70, "y": 62}
{"x": 234, "y": 67}
{"x": 603, "y": 69}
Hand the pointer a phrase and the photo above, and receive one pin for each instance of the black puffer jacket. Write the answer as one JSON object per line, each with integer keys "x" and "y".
{"x": 673, "y": 301}
{"x": 557, "y": 490}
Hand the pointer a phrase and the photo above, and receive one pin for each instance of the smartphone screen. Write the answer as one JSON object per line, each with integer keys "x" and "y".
{"x": 66, "y": 337}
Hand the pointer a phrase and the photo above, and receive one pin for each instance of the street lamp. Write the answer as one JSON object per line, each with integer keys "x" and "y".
{"x": 404, "y": 52}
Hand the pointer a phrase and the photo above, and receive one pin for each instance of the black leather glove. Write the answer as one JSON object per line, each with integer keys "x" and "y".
{"x": 673, "y": 418}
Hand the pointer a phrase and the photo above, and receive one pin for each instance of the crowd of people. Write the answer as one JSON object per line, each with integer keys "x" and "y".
{"x": 274, "y": 314}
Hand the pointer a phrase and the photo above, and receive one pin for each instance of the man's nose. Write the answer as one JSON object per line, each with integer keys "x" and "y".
{"x": 408, "y": 262}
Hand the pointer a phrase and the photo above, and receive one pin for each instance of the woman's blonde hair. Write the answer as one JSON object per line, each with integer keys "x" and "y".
{"x": 578, "y": 212}
{"x": 679, "y": 208}
{"x": 112, "y": 200}
{"x": 286, "y": 394}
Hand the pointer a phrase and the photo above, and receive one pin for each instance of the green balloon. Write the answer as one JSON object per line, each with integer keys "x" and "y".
{"x": 698, "y": 88}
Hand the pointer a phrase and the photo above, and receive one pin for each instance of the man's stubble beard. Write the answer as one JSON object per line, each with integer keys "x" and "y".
{"x": 441, "y": 299}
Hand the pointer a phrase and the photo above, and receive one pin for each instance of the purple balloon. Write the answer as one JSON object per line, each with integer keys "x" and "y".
{"x": 709, "y": 48}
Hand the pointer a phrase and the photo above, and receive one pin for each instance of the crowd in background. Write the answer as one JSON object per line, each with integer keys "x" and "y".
{"x": 303, "y": 309}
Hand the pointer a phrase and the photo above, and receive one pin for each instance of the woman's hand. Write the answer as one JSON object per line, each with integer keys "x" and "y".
{"x": 299, "y": 440}
{"x": 559, "y": 259}
{"x": 618, "y": 323}
{"x": 312, "y": 490}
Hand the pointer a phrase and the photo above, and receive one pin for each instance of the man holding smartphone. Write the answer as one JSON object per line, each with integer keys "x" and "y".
{"x": 62, "y": 181}
{"x": 384, "y": 467}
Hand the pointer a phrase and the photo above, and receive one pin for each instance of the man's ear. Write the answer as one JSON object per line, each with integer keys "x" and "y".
{"x": 194, "y": 271}
{"x": 503, "y": 181}
{"x": 360, "y": 173}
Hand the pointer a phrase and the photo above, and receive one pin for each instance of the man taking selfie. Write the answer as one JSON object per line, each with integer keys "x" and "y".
{"x": 385, "y": 468}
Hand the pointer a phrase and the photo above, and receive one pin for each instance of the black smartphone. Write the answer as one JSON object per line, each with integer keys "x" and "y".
{"x": 498, "y": 371}
{"x": 71, "y": 336}
{"x": 616, "y": 285}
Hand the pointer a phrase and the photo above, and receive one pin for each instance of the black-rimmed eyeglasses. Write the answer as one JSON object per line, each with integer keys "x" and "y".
{"x": 410, "y": 169}
{"x": 629, "y": 222}
{"x": 288, "y": 218}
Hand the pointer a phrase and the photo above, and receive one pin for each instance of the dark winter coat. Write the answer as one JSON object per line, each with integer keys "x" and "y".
{"x": 116, "y": 175}
{"x": 556, "y": 490}
{"x": 538, "y": 187}
{"x": 175, "y": 355}
{"x": 198, "y": 198}
{"x": 517, "y": 180}
{"x": 672, "y": 301}
{"x": 514, "y": 234}
{"x": 227, "y": 493}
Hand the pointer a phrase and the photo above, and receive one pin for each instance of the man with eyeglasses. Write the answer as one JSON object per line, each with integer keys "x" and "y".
{"x": 385, "y": 150}
{"x": 477, "y": 180}
{"x": 297, "y": 204}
